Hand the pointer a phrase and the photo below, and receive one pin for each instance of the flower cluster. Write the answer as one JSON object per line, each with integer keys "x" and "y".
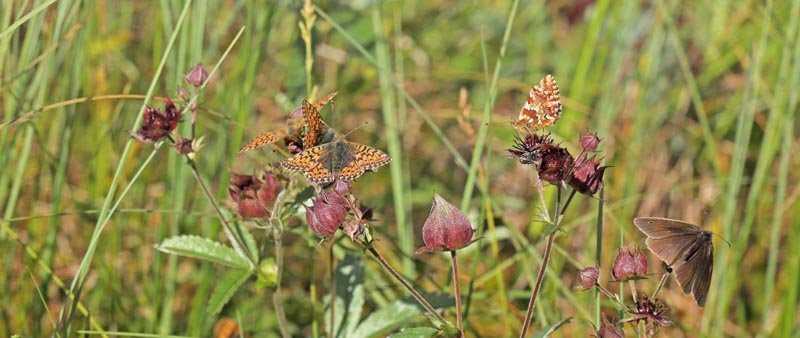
{"x": 629, "y": 265}
{"x": 555, "y": 164}
{"x": 157, "y": 125}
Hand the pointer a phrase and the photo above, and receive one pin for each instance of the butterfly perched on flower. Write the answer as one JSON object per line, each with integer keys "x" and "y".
{"x": 543, "y": 107}
{"x": 339, "y": 159}
{"x": 292, "y": 131}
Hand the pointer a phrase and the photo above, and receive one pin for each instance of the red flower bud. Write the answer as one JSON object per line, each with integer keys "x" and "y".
{"x": 196, "y": 76}
{"x": 629, "y": 265}
{"x": 587, "y": 175}
{"x": 253, "y": 196}
{"x": 326, "y": 214}
{"x": 587, "y": 278}
{"x": 183, "y": 145}
{"x": 589, "y": 142}
{"x": 446, "y": 228}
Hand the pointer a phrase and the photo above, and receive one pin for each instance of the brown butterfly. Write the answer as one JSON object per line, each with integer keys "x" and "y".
{"x": 293, "y": 129}
{"x": 685, "y": 248}
{"x": 338, "y": 159}
{"x": 543, "y": 107}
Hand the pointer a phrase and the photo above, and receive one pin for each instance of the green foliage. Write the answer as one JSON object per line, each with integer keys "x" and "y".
{"x": 205, "y": 249}
{"x": 225, "y": 289}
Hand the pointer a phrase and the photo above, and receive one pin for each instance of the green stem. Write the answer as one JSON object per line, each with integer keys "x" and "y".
{"x": 406, "y": 286}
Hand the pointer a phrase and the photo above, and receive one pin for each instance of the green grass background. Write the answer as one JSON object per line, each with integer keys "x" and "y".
{"x": 696, "y": 103}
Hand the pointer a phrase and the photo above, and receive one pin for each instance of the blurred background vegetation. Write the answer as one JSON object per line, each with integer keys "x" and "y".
{"x": 696, "y": 103}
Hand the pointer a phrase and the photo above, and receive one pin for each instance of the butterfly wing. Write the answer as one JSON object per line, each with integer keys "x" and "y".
{"x": 658, "y": 228}
{"x": 265, "y": 139}
{"x": 361, "y": 158}
{"x": 316, "y": 129}
{"x": 694, "y": 273}
{"x": 670, "y": 249}
{"x": 543, "y": 107}
{"x": 312, "y": 163}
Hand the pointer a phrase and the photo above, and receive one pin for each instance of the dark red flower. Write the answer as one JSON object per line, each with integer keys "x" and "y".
{"x": 589, "y": 142}
{"x": 446, "y": 229}
{"x": 629, "y": 265}
{"x": 652, "y": 312}
{"x": 555, "y": 164}
{"x": 528, "y": 150}
{"x": 253, "y": 196}
{"x": 196, "y": 76}
{"x": 156, "y": 125}
{"x": 586, "y": 175}
{"x": 326, "y": 214}
{"x": 587, "y": 278}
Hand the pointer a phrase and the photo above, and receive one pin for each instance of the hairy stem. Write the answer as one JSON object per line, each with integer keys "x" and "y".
{"x": 406, "y": 286}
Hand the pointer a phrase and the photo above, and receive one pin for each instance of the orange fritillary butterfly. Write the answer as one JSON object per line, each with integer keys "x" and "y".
{"x": 543, "y": 107}
{"x": 339, "y": 159}
{"x": 293, "y": 128}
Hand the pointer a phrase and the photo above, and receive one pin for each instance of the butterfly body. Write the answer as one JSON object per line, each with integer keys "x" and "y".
{"x": 543, "y": 107}
{"x": 339, "y": 159}
{"x": 684, "y": 247}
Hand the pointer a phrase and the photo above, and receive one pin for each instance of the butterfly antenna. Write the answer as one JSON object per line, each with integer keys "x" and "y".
{"x": 356, "y": 128}
{"x": 723, "y": 239}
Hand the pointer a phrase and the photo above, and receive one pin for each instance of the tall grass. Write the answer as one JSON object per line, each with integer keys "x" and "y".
{"x": 696, "y": 103}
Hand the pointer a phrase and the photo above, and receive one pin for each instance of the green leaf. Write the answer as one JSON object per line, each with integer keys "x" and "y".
{"x": 203, "y": 248}
{"x": 415, "y": 332}
{"x": 226, "y": 289}
{"x": 349, "y": 295}
{"x": 397, "y": 314}
{"x": 545, "y": 333}
{"x": 248, "y": 240}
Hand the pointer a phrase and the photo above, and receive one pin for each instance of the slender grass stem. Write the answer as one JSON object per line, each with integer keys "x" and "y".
{"x": 457, "y": 291}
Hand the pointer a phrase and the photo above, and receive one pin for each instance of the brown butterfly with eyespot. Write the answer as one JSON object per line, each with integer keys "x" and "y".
{"x": 543, "y": 107}
{"x": 292, "y": 131}
{"x": 685, "y": 248}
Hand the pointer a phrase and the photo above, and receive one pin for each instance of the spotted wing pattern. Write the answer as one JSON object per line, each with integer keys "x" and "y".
{"x": 338, "y": 159}
{"x": 316, "y": 129}
{"x": 543, "y": 107}
{"x": 290, "y": 131}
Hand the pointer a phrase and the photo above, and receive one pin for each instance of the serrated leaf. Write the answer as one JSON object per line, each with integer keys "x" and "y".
{"x": 546, "y": 332}
{"x": 415, "y": 332}
{"x": 205, "y": 249}
{"x": 226, "y": 289}
{"x": 397, "y": 314}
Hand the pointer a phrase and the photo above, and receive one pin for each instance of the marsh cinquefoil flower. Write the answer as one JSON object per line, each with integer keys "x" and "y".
{"x": 157, "y": 125}
{"x": 254, "y": 195}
